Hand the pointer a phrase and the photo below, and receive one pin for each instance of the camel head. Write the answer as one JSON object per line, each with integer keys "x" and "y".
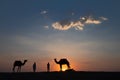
{"x": 54, "y": 59}
{"x": 25, "y": 60}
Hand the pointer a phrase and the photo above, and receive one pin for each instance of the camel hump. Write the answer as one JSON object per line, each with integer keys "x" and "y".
{"x": 17, "y": 61}
{"x": 64, "y": 60}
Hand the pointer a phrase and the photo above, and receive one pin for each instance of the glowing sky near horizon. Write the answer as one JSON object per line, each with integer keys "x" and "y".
{"x": 86, "y": 32}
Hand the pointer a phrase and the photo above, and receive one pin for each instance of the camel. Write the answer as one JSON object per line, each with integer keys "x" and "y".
{"x": 62, "y": 62}
{"x": 19, "y": 64}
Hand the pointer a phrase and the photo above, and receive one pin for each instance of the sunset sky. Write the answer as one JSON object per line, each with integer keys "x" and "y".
{"x": 86, "y": 32}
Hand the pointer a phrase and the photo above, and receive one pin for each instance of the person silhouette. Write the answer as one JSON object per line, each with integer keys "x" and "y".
{"x": 48, "y": 67}
{"x": 34, "y": 67}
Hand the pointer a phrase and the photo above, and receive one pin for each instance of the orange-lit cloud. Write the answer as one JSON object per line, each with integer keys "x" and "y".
{"x": 78, "y": 24}
{"x": 59, "y": 26}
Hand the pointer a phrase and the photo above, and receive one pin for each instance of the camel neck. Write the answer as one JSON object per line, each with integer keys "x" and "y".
{"x": 23, "y": 63}
{"x": 56, "y": 61}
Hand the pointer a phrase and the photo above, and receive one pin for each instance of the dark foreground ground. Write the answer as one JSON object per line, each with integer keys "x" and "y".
{"x": 78, "y": 75}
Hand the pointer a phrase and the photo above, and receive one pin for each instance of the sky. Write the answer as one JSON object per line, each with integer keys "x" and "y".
{"x": 86, "y": 32}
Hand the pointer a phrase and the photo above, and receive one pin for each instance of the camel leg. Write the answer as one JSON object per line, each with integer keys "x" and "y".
{"x": 18, "y": 69}
{"x": 60, "y": 67}
{"x": 14, "y": 69}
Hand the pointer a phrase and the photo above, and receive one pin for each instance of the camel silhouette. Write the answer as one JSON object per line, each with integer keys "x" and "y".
{"x": 18, "y": 64}
{"x": 61, "y": 62}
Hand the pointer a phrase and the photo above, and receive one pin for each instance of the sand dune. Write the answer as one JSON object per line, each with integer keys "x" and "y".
{"x": 78, "y": 75}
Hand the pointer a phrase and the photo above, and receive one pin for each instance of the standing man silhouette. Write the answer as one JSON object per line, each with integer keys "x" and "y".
{"x": 34, "y": 67}
{"x": 48, "y": 67}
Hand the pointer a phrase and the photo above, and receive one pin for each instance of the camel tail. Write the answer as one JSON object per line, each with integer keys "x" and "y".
{"x": 13, "y": 69}
{"x": 68, "y": 65}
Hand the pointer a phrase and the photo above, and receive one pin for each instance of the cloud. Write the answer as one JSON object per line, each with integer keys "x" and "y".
{"x": 46, "y": 27}
{"x": 43, "y": 12}
{"x": 77, "y": 24}
{"x": 73, "y": 13}
{"x": 90, "y": 20}
{"x": 103, "y": 18}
